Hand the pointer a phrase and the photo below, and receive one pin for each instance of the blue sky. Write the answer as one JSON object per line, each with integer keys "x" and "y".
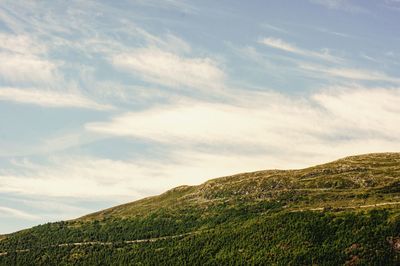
{"x": 105, "y": 102}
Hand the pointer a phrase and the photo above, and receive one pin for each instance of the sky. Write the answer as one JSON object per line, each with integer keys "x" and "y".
{"x": 107, "y": 102}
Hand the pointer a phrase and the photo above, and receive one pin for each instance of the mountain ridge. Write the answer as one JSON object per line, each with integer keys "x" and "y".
{"x": 304, "y": 173}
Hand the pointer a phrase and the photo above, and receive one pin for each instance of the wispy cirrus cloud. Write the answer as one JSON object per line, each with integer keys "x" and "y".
{"x": 49, "y": 98}
{"x": 98, "y": 178}
{"x": 27, "y": 69}
{"x": 351, "y": 73}
{"x": 170, "y": 69}
{"x": 291, "y": 48}
{"x": 20, "y": 44}
{"x": 11, "y": 212}
{"x": 24, "y": 61}
{"x": 18, "y": 211}
{"x": 274, "y": 28}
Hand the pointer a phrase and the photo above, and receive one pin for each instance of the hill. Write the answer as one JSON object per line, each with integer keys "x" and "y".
{"x": 343, "y": 212}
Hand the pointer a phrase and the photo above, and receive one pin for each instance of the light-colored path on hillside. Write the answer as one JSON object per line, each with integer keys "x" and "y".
{"x": 100, "y": 243}
{"x": 350, "y": 207}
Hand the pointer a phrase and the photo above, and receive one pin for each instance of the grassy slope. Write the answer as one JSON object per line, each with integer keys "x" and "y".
{"x": 356, "y": 180}
{"x": 251, "y": 217}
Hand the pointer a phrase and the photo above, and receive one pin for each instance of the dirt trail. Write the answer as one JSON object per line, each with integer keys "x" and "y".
{"x": 349, "y": 207}
{"x": 90, "y": 243}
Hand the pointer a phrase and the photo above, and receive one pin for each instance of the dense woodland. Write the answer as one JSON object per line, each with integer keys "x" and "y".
{"x": 301, "y": 238}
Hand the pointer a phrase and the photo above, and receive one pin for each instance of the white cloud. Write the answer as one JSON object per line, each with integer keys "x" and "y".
{"x": 11, "y": 212}
{"x": 291, "y": 48}
{"x": 280, "y": 44}
{"x": 95, "y": 178}
{"x": 48, "y": 98}
{"x": 193, "y": 122}
{"x": 19, "y": 68}
{"x": 57, "y": 143}
{"x": 351, "y": 73}
{"x": 21, "y": 44}
{"x": 175, "y": 44}
{"x": 364, "y": 114}
{"x": 32, "y": 211}
{"x": 331, "y": 123}
{"x": 23, "y": 60}
{"x": 165, "y": 68}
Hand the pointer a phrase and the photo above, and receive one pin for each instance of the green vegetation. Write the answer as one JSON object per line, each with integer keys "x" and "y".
{"x": 344, "y": 212}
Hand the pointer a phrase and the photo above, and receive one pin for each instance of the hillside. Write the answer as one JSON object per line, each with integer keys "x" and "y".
{"x": 343, "y": 212}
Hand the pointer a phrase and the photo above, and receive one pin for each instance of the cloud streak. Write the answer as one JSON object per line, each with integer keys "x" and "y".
{"x": 24, "y": 61}
{"x": 49, "y": 98}
{"x": 275, "y": 121}
{"x": 169, "y": 69}
{"x": 27, "y": 69}
{"x": 97, "y": 178}
{"x": 351, "y": 73}
{"x": 291, "y": 48}
{"x": 11, "y": 212}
